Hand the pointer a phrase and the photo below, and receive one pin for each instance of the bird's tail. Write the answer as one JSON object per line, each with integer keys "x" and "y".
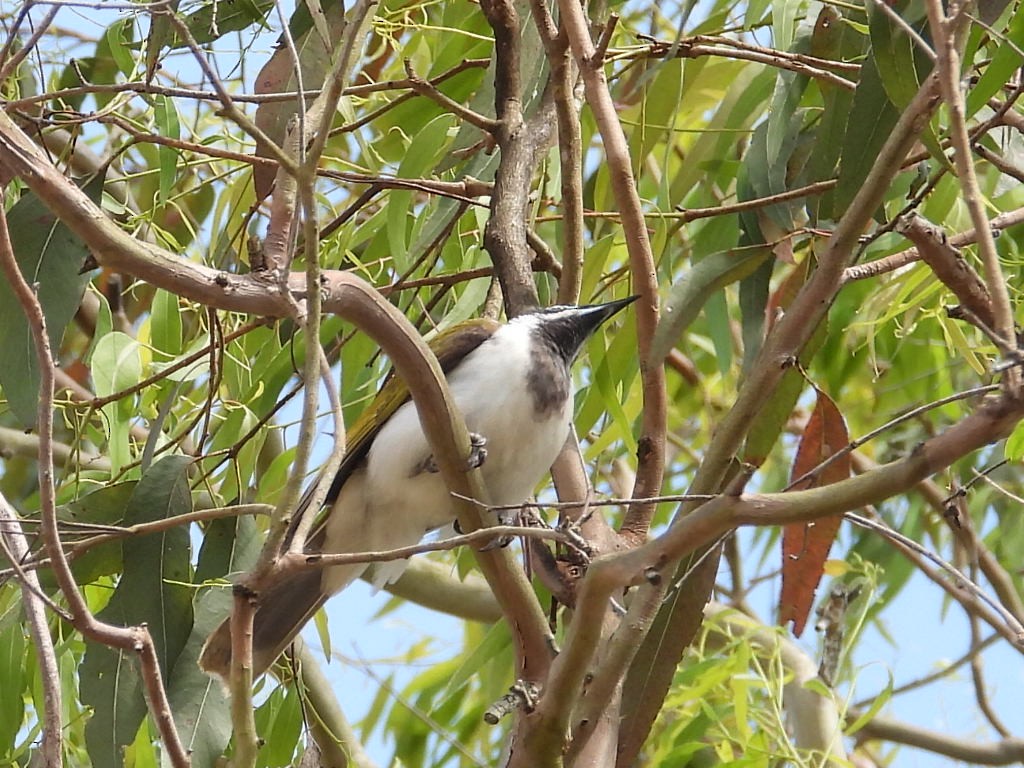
{"x": 285, "y": 607}
{"x": 283, "y": 610}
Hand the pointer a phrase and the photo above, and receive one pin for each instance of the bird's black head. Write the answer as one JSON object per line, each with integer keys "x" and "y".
{"x": 566, "y": 328}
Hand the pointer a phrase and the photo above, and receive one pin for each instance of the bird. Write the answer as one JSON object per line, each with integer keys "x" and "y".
{"x": 512, "y": 383}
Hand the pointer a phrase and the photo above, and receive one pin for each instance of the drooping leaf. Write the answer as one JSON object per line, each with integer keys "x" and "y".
{"x": 166, "y": 118}
{"x": 282, "y": 737}
{"x": 690, "y": 293}
{"x": 754, "y": 293}
{"x": 161, "y": 33}
{"x": 120, "y": 37}
{"x": 201, "y": 710}
{"x": 117, "y": 366}
{"x": 50, "y": 257}
{"x": 153, "y": 590}
{"x": 773, "y": 415}
{"x": 654, "y": 666}
{"x": 805, "y": 546}
{"x": 278, "y": 76}
{"x": 832, "y": 39}
{"x": 872, "y": 117}
{"x": 12, "y": 673}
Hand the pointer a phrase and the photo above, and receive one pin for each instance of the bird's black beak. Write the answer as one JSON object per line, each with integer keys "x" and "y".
{"x": 569, "y": 327}
{"x": 598, "y": 314}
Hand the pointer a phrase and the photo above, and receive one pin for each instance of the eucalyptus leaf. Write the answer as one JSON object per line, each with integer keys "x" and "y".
{"x": 50, "y": 258}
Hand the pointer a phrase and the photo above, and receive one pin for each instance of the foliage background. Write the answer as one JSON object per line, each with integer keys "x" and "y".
{"x": 720, "y": 104}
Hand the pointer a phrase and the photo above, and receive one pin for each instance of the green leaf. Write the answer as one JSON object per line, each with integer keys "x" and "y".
{"x": 784, "y": 15}
{"x": 872, "y": 118}
{"x": 165, "y": 323}
{"x": 105, "y": 506}
{"x": 202, "y": 713}
{"x": 12, "y": 673}
{"x": 165, "y": 115}
{"x": 117, "y": 366}
{"x": 876, "y": 706}
{"x": 896, "y": 58}
{"x": 695, "y": 288}
{"x": 1004, "y": 63}
{"x": 153, "y": 590}
{"x": 754, "y": 293}
{"x": 280, "y": 742}
{"x": 497, "y": 640}
{"x": 50, "y": 257}
{"x": 119, "y": 38}
{"x": 1014, "y": 448}
{"x": 217, "y": 18}
{"x": 423, "y": 153}
{"x": 161, "y": 32}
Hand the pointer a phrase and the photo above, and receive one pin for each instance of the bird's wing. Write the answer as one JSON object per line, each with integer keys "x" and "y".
{"x": 450, "y": 347}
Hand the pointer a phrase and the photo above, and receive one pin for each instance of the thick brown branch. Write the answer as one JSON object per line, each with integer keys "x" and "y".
{"x": 948, "y": 265}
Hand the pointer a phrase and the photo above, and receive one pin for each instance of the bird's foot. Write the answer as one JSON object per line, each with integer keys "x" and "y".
{"x": 477, "y": 451}
{"x": 498, "y": 542}
{"x": 477, "y": 455}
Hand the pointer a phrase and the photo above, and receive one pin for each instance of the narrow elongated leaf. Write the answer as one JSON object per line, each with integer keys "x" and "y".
{"x": 1005, "y": 62}
{"x": 872, "y": 117}
{"x": 832, "y": 39}
{"x": 12, "y": 672}
{"x": 201, "y": 710}
{"x": 153, "y": 590}
{"x": 689, "y": 294}
{"x": 117, "y": 366}
{"x": 166, "y": 118}
{"x": 805, "y": 546}
{"x": 655, "y": 663}
{"x": 161, "y": 32}
{"x": 50, "y": 257}
{"x": 893, "y": 52}
{"x": 764, "y": 432}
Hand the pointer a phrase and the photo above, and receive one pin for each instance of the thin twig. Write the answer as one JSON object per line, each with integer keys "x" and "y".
{"x": 425, "y": 88}
{"x": 897, "y": 260}
{"x": 946, "y": 31}
{"x": 487, "y": 535}
{"x": 962, "y": 580}
{"x": 34, "y": 599}
{"x": 28, "y": 45}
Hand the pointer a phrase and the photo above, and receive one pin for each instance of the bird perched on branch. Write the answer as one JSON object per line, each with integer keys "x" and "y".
{"x": 512, "y": 384}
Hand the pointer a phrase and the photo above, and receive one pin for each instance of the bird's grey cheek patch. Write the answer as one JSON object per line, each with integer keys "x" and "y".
{"x": 549, "y": 386}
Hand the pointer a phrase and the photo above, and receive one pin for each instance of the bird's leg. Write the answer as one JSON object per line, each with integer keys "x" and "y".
{"x": 477, "y": 456}
{"x": 477, "y": 451}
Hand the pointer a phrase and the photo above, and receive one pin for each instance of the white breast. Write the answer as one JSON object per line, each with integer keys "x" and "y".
{"x": 402, "y": 502}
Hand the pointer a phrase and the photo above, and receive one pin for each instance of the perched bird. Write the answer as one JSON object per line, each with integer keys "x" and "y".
{"x": 512, "y": 384}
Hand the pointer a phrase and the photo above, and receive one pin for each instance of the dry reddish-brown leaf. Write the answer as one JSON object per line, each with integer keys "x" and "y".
{"x": 805, "y": 546}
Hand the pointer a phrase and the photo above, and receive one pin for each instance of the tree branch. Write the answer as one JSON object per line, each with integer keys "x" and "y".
{"x": 33, "y": 598}
{"x": 135, "y": 640}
